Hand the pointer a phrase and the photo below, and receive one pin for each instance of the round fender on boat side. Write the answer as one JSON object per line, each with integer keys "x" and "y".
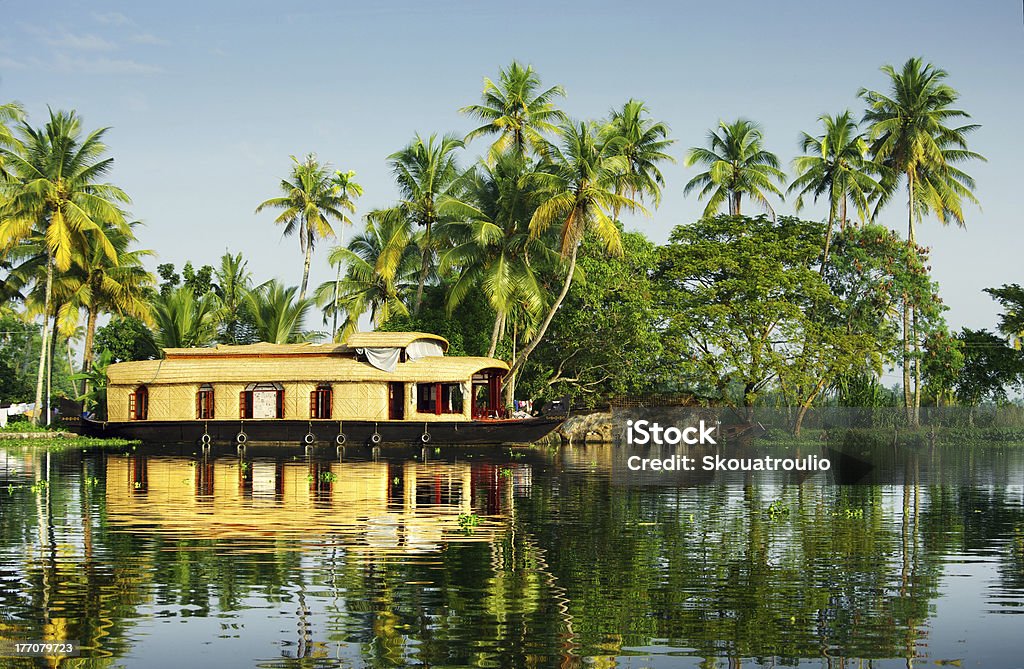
{"x": 205, "y": 439}
{"x": 242, "y": 438}
{"x": 376, "y": 438}
{"x": 340, "y": 439}
{"x": 425, "y": 437}
{"x": 310, "y": 438}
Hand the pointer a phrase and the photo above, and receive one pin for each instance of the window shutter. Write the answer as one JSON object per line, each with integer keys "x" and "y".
{"x": 241, "y": 405}
{"x": 199, "y": 404}
{"x": 280, "y": 403}
{"x": 131, "y": 405}
{"x": 312, "y": 405}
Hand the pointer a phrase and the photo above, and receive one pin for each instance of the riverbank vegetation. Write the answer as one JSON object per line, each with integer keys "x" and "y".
{"x": 508, "y": 242}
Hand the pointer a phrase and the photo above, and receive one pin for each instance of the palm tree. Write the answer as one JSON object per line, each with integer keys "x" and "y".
{"x": 310, "y": 200}
{"x": 346, "y": 184}
{"x": 644, "y": 143}
{"x": 277, "y": 314}
{"x": 232, "y": 282}
{"x": 105, "y": 287}
{"x": 836, "y": 165}
{"x": 57, "y": 194}
{"x": 10, "y": 112}
{"x": 381, "y": 269}
{"x": 911, "y": 135}
{"x": 428, "y": 178}
{"x": 737, "y": 164}
{"x": 579, "y": 192}
{"x": 493, "y": 248}
{"x": 517, "y": 111}
{"x": 184, "y": 320}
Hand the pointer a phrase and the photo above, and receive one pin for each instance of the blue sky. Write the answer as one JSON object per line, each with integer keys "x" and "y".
{"x": 207, "y": 101}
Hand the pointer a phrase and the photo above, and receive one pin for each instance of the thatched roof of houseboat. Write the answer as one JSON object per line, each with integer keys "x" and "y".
{"x": 323, "y": 368}
{"x": 391, "y": 339}
{"x": 354, "y": 341}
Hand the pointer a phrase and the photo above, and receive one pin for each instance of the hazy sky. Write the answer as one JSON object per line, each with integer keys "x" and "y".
{"x": 207, "y": 101}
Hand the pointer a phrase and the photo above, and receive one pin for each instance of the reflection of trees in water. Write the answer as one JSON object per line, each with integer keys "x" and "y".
{"x": 580, "y": 567}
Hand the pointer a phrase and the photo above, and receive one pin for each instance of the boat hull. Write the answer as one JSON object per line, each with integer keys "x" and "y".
{"x": 292, "y": 432}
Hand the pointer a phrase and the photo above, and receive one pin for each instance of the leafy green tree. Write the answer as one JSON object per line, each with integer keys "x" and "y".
{"x": 738, "y": 165}
{"x": 58, "y": 197}
{"x": 942, "y": 364}
{"x": 1011, "y": 321}
{"x": 990, "y": 368}
{"x": 277, "y": 313}
{"x": 126, "y": 339}
{"x": 311, "y": 198}
{"x": 17, "y": 341}
{"x": 579, "y": 193}
{"x": 644, "y": 143}
{"x": 605, "y": 341}
{"x": 517, "y": 111}
{"x": 428, "y": 180}
{"x": 836, "y": 166}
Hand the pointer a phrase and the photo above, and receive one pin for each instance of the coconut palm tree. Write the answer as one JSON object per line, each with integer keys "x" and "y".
{"x": 517, "y": 111}
{"x": 644, "y": 143}
{"x": 382, "y": 265}
{"x": 310, "y": 200}
{"x": 105, "y": 287}
{"x": 579, "y": 193}
{"x": 184, "y": 320}
{"x": 10, "y": 113}
{"x": 232, "y": 282}
{"x": 428, "y": 178}
{"x": 738, "y": 165}
{"x": 912, "y": 133}
{"x": 277, "y": 314}
{"x": 492, "y": 247}
{"x": 836, "y": 166}
{"x": 57, "y": 193}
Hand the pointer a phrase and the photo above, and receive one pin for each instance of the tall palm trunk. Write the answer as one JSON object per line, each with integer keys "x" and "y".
{"x": 49, "y": 368}
{"x": 45, "y": 339}
{"x": 90, "y": 333}
{"x": 911, "y": 395}
{"x": 828, "y": 236}
{"x": 521, "y": 358}
{"x": 424, "y": 266}
{"x": 305, "y": 266}
{"x": 495, "y": 333}
{"x": 334, "y": 318}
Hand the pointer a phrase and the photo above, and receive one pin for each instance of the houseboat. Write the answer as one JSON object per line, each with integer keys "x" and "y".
{"x": 377, "y": 387}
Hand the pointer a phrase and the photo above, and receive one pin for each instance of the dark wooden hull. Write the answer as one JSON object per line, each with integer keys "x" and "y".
{"x": 295, "y": 432}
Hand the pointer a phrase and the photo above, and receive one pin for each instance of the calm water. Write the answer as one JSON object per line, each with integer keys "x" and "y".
{"x": 494, "y": 558}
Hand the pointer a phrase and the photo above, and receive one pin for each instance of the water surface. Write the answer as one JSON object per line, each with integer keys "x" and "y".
{"x": 451, "y": 556}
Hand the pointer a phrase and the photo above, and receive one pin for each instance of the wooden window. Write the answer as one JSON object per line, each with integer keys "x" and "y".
{"x": 320, "y": 402}
{"x": 439, "y": 398}
{"x": 204, "y": 402}
{"x": 261, "y": 401}
{"x": 138, "y": 404}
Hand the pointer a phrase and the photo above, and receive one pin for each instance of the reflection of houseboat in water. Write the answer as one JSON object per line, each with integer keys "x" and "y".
{"x": 376, "y": 387}
{"x": 372, "y": 506}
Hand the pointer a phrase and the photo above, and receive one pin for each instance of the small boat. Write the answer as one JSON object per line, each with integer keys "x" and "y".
{"x": 377, "y": 387}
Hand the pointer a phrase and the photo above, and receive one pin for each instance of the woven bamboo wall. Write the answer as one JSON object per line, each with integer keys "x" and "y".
{"x": 117, "y": 402}
{"x": 360, "y": 401}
